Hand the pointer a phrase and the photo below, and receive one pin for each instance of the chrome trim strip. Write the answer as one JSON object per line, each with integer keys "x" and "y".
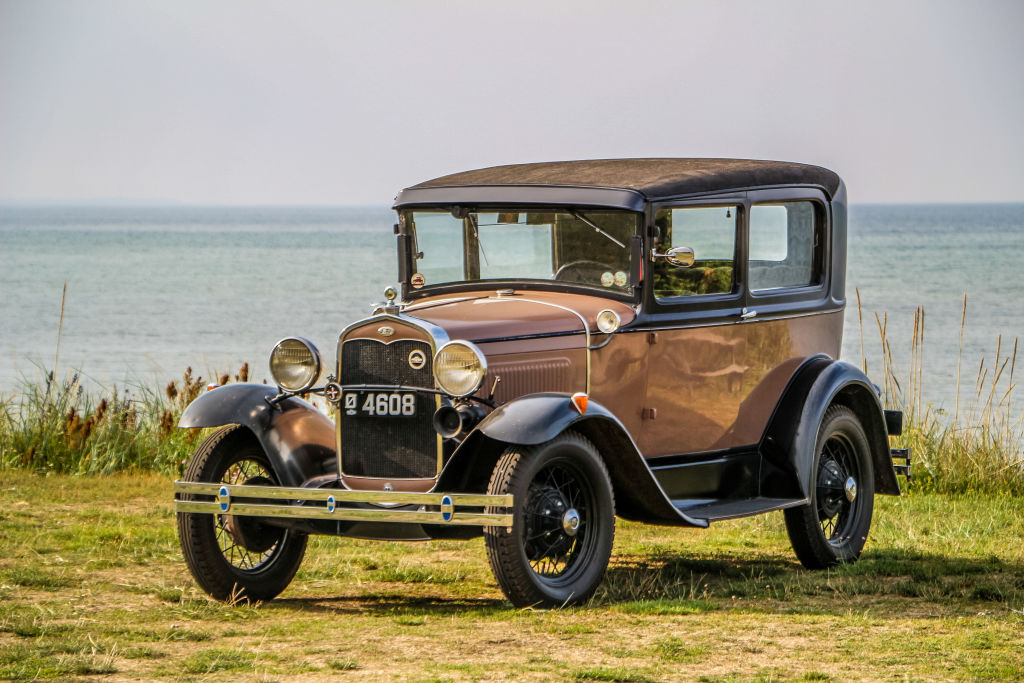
{"x": 381, "y": 341}
{"x": 583, "y": 321}
{"x": 351, "y": 514}
{"x": 342, "y": 495}
{"x": 437, "y": 333}
{"x": 731, "y": 320}
{"x": 226, "y": 495}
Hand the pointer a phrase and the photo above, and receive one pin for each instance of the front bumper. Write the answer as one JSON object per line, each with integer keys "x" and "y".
{"x": 455, "y": 509}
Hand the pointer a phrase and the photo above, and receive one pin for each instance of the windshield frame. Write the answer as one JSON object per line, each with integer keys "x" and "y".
{"x": 407, "y": 263}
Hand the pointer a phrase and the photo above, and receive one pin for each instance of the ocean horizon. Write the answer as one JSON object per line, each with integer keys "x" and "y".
{"x": 156, "y": 287}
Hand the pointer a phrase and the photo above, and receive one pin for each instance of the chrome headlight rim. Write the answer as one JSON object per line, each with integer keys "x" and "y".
{"x": 481, "y": 362}
{"x": 312, "y": 377}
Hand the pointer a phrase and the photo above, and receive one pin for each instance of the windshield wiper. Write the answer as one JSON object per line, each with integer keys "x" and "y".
{"x": 580, "y": 217}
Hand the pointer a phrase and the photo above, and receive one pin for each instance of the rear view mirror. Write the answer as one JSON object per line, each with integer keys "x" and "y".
{"x": 680, "y": 257}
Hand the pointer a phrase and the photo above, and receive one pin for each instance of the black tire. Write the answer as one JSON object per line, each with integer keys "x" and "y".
{"x": 237, "y": 559}
{"x": 832, "y": 528}
{"x": 551, "y": 556}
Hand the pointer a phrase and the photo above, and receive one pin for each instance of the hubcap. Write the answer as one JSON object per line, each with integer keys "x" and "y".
{"x": 850, "y": 488}
{"x": 571, "y": 522}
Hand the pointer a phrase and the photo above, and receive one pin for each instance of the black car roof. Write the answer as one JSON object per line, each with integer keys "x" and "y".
{"x": 652, "y": 178}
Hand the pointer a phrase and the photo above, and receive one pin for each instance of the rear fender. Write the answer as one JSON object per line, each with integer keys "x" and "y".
{"x": 533, "y": 420}
{"x": 790, "y": 440}
{"x": 298, "y": 439}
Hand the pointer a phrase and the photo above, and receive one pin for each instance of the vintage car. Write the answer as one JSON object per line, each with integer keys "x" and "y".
{"x": 656, "y": 339}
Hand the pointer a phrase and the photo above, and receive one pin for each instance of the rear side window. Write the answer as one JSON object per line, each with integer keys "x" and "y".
{"x": 785, "y": 245}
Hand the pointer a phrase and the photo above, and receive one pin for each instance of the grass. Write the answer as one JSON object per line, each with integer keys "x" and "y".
{"x": 92, "y": 583}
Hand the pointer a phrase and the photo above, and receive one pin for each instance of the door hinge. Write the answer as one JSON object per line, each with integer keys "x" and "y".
{"x": 652, "y": 337}
{"x": 648, "y": 413}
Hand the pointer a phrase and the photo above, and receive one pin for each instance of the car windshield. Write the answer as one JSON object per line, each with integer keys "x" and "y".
{"x": 584, "y": 247}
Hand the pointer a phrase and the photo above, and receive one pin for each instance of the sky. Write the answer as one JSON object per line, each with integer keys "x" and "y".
{"x": 300, "y": 102}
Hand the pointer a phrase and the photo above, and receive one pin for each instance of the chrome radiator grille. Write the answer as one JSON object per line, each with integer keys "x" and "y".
{"x": 385, "y": 446}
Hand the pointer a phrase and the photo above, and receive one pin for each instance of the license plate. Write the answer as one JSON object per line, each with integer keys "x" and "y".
{"x": 380, "y": 404}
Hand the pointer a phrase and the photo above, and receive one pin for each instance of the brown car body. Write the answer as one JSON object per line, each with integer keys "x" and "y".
{"x": 716, "y": 392}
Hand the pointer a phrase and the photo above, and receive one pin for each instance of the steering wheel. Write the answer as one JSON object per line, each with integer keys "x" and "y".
{"x": 583, "y": 271}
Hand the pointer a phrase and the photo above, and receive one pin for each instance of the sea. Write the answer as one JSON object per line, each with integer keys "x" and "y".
{"x": 131, "y": 296}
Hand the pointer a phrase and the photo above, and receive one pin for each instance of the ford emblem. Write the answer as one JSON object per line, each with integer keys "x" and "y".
{"x": 417, "y": 359}
{"x": 386, "y": 331}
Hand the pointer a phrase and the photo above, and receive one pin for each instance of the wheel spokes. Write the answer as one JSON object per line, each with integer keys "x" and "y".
{"x": 552, "y": 543}
{"x": 238, "y": 555}
{"x": 835, "y": 508}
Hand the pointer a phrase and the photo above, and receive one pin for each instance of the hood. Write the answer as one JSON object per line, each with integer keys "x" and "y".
{"x": 487, "y": 316}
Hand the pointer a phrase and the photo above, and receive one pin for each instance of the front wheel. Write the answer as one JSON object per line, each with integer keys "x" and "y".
{"x": 833, "y": 527}
{"x": 558, "y": 547}
{"x": 234, "y": 557}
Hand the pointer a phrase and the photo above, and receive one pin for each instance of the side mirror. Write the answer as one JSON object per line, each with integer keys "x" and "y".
{"x": 680, "y": 257}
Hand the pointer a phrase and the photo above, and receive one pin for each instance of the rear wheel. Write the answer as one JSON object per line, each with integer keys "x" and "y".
{"x": 558, "y": 547}
{"x": 234, "y": 557}
{"x": 833, "y": 527}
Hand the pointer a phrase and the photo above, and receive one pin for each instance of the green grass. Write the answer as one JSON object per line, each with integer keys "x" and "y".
{"x": 92, "y": 583}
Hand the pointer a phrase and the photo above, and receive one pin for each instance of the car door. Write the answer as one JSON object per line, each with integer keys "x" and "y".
{"x": 733, "y": 330}
{"x": 697, "y": 351}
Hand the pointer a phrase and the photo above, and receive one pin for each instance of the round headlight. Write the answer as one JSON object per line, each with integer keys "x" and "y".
{"x": 459, "y": 368}
{"x": 608, "y": 321}
{"x": 295, "y": 364}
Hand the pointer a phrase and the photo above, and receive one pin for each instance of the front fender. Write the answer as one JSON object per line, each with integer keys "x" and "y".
{"x": 532, "y": 420}
{"x": 298, "y": 439}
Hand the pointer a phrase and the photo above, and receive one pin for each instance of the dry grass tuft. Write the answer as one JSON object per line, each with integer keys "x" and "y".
{"x": 982, "y": 447}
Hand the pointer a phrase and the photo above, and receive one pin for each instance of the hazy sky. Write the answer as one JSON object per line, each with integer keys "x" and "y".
{"x": 346, "y": 103}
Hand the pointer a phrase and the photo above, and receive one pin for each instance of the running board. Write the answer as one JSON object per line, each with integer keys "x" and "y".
{"x": 713, "y": 511}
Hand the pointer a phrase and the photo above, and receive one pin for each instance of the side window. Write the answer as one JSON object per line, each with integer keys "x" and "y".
{"x": 711, "y": 233}
{"x": 785, "y": 245}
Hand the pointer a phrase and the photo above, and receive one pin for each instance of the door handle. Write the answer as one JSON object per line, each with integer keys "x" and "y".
{"x": 747, "y": 314}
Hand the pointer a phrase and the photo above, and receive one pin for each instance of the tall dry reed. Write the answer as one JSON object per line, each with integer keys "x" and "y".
{"x": 982, "y": 447}
{"x": 58, "y": 426}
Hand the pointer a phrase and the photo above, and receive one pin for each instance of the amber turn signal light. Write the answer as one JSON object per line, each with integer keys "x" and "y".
{"x": 579, "y": 402}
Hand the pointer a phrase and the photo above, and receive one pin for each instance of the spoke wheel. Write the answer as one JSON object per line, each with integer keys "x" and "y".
{"x": 833, "y": 527}
{"x": 564, "y": 522}
{"x": 233, "y": 557}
